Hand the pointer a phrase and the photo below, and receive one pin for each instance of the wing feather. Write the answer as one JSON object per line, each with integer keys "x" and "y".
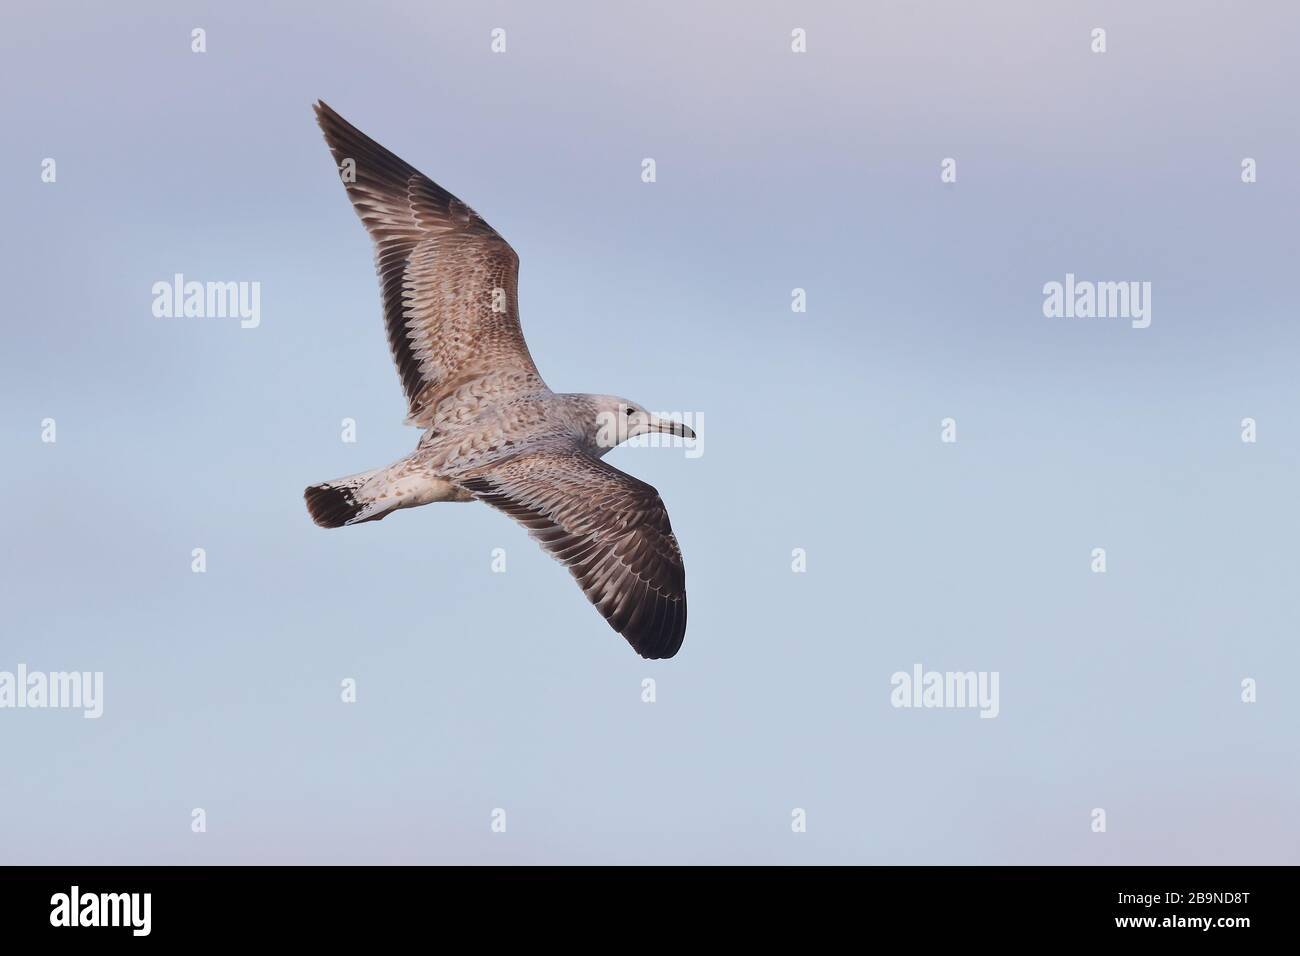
{"x": 611, "y": 531}
{"x": 448, "y": 281}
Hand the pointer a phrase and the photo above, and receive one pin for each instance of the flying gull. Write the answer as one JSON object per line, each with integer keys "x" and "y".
{"x": 493, "y": 431}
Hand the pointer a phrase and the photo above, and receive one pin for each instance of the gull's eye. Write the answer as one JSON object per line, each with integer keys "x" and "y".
{"x": 629, "y": 412}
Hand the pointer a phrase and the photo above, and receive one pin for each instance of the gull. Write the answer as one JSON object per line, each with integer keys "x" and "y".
{"x": 493, "y": 431}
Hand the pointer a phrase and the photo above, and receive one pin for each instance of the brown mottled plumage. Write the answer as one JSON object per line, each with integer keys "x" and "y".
{"x": 493, "y": 430}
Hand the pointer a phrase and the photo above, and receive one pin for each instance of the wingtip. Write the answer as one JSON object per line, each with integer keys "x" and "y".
{"x": 660, "y": 654}
{"x": 326, "y": 115}
{"x": 664, "y": 638}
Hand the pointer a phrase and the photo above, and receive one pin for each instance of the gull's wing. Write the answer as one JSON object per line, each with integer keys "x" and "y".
{"x": 608, "y": 528}
{"x": 449, "y": 282}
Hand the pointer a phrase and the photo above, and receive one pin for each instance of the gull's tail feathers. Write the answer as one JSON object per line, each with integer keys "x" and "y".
{"x": 346, "y": 501}
{"x": 372, "y": 495}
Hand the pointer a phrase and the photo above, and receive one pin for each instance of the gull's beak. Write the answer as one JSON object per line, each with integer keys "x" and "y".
{"x": 670, "y": 427}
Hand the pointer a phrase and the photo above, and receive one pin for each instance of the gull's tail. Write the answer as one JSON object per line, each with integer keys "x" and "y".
{"x": 344, "y": 501}
{"x": 372, "y": 495}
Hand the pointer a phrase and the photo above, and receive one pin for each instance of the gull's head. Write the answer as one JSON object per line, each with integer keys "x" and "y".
{"x": 614, "y": 420}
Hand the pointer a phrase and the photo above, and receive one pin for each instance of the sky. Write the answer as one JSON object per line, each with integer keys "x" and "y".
{"x": 832, "y": 537}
